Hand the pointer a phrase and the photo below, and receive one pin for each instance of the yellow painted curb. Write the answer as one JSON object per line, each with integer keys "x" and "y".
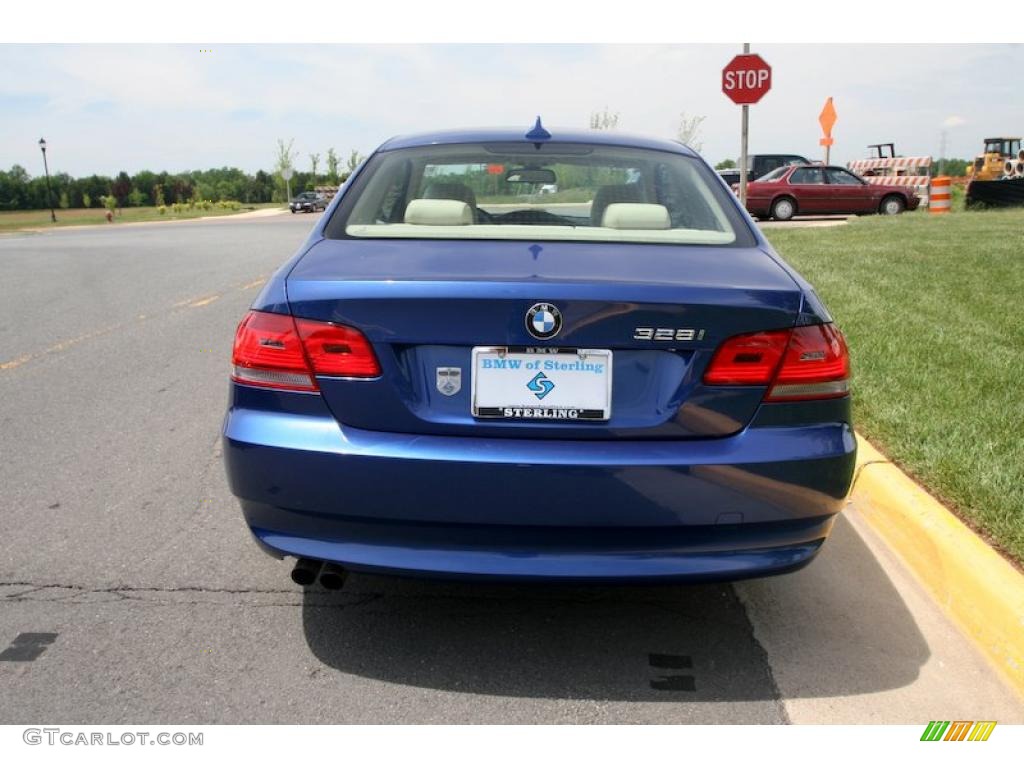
{"x": 982, "y": 592}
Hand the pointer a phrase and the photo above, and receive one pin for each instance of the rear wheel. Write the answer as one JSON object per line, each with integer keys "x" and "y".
{"x": 893, "y": 205}
{"x": 783, "y": 209}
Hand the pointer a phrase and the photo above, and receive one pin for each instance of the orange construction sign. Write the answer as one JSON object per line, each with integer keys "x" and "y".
{"x": 827, "y": 119}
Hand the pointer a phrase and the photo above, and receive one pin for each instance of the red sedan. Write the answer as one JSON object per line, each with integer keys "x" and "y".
{"x": 823, "y": 189}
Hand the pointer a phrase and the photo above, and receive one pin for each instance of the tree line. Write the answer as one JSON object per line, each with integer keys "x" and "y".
{"x": 19, "y": 190}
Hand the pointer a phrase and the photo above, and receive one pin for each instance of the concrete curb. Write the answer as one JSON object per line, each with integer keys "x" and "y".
{"x": 975, "y": 586}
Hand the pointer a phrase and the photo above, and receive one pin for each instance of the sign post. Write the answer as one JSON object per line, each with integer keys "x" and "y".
{"x": 827, "y": 119}
{"x": 745, "y": 80}
{"x": 287, "y": 174}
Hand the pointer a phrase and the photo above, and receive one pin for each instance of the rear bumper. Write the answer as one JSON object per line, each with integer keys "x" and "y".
{"x": 757, "y": 503}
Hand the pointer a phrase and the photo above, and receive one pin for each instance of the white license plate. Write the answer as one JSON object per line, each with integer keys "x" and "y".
{"x": 569, "y": 385}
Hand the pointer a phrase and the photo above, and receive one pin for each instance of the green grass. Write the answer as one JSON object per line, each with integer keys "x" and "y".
{"x": 15, "y": 220}
{"x": 931, "y": 307}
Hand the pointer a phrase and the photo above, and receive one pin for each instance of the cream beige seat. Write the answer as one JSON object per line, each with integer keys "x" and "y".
{"x": 613, "y": 193}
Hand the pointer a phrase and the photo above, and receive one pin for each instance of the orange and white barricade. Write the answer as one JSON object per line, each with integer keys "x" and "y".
{"x": 896, "y": 171}
{"x": 940, "y": 199}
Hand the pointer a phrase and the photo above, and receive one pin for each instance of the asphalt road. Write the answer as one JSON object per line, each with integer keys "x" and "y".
{"x": 124, "y": 550}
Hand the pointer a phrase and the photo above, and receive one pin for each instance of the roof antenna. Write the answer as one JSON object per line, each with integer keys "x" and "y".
{"x": 538, "y": 133}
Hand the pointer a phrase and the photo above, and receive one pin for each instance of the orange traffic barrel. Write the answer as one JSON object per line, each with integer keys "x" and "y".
{"x": 940, "y": 195}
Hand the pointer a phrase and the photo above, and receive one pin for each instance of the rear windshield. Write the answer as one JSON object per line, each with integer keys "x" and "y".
{"x": 522, "y": 191}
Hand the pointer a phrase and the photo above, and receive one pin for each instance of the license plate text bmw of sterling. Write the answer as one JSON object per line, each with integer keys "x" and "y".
{"x": 534, "y": 354}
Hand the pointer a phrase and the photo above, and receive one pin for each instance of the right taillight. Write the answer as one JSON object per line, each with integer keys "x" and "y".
{"x": 282, "y": 352}
{"x": 809, "y": 362}
{"x": 816, "y": 365}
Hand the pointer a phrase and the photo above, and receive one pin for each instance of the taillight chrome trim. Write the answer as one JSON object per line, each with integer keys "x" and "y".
{"x": 812, "y": 391}
{"x": 268, "y": 377}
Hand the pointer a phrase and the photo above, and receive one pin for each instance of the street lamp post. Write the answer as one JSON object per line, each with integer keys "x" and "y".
{"x": 49, "y": 196}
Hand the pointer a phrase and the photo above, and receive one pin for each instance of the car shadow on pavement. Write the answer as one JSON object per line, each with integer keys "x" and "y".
{"x": 625, "y": 643}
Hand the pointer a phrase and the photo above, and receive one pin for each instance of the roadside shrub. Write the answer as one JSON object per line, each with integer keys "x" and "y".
{"x": 64, "y": 203}
{"x": 86, "y": 200}
{"x": 162, "y": 209}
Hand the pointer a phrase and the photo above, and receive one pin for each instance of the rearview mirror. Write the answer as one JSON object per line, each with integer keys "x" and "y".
{"x": 530, "y": 176}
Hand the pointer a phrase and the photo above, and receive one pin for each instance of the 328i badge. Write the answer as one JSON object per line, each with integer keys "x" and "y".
{"x": 651, "y": 392}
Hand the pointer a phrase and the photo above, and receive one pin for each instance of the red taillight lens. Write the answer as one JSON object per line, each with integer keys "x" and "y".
{"x": 816, "y": 365}
{"x": 268, "y": 353}
{"x": 281, "y": 352}
{"x": 337, "y": 350}
{"x": 805, "y": 363}
{"x": 750, "y": 359}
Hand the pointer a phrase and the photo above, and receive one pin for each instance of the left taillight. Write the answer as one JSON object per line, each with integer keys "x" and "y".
{"x": 282, "y": 352}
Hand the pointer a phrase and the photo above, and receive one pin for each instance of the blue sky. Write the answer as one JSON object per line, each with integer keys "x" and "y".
{"x": 106, "y": 108}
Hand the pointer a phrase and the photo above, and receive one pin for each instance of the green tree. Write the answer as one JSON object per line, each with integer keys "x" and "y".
{"x": 178, "y": 189}
{"x": 725, "y": 164}
{"x": 93, "y": 187}
{"x": 121, "y": 188}
{"x": 14, "y": 188}
{"x": 145, "y": 182}
{"x": 136, "y": 198}
{"x": 314, "y": 160}
{"x": 86, "y": 200}
{"x": 260, "y": 188}
{"x": 354, "y": 159}
{"x": 332, "y": 165}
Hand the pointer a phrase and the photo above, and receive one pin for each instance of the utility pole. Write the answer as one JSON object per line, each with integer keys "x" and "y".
{"x": 744, "y": 129}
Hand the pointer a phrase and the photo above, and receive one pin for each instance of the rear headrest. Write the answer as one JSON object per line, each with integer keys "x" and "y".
{"x": 442, "y": 190}
{"x": 636, "y": 216}
{"x": 438, "y": 213}
{"x": 613, "y": 193}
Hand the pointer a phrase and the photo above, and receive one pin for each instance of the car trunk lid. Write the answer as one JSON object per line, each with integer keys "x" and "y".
{"x": 426, "y": 304}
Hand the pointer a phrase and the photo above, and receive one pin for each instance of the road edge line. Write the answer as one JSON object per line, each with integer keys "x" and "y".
{"x": 979, "y": 590}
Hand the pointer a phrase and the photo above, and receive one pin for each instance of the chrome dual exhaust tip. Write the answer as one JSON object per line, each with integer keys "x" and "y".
{"x": 305, "y": 572}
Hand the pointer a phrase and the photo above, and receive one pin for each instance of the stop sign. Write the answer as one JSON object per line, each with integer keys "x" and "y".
{"x": 746, "y": 78}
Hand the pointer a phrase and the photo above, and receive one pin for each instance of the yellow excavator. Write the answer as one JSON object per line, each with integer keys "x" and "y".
{"x": 992, "y": 164}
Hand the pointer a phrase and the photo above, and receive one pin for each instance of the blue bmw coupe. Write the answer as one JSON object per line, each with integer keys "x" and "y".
{"x": 538, "y": 354}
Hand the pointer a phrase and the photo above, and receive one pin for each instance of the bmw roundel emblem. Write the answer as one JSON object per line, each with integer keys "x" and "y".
{"x": 543, "y": 321}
